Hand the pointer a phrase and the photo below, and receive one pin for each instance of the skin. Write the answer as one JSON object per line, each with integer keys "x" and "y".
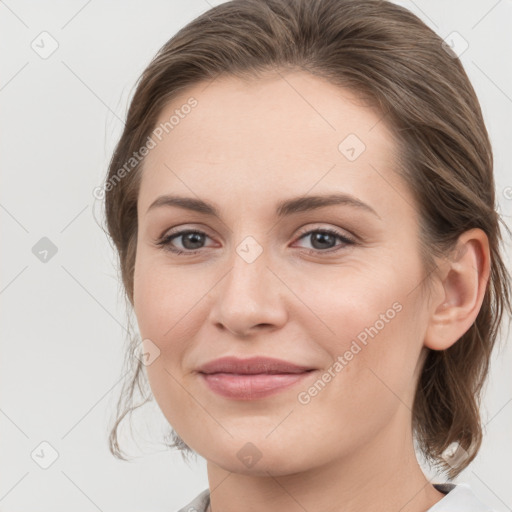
{"x": 245, "y": 147}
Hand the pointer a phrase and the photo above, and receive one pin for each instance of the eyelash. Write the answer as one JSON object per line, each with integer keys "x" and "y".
{"x": 165, "y": 242}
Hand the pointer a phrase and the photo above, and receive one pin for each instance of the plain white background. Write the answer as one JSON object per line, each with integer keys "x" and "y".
{"x": 63, "y": 320}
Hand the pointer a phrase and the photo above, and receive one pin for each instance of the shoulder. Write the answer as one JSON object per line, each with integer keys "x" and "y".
{"x": 199, "y": 503}
{"x": 459, "y": 498}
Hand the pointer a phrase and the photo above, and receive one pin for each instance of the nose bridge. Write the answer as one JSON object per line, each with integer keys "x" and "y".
{"x": 249, "y": 294}
{"x": 248, "y": 276}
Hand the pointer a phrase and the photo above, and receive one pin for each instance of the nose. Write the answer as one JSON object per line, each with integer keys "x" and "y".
{"x": 249, "y": 298}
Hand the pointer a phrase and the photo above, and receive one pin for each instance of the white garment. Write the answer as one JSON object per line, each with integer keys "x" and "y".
{"x": 459, "y": 498}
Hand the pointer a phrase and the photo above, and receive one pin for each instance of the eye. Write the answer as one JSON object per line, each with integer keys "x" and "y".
{"x": 323, "y": 240}
{"x": 192, "y": 239}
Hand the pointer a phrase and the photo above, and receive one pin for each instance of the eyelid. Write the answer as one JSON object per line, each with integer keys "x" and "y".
{"x": 184, "y": 227}
{"x": 335, "y": 230}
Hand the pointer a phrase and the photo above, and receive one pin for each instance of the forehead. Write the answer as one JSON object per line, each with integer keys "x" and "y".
{"x": 280, "y": 134}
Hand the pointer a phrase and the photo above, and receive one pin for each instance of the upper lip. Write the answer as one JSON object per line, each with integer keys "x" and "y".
{"x": 251, "y": 366}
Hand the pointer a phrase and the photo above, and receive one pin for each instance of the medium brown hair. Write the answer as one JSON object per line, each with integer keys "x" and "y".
{"x": 389, "y": 57}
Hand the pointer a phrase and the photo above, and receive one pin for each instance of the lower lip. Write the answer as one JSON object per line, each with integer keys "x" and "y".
{"x": 251, "y": 387}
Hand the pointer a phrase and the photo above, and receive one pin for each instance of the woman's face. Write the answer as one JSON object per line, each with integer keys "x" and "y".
{"x": 266, "y": 280}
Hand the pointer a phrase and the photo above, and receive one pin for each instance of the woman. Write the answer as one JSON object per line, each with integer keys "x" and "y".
{"x": 303, "y": 205}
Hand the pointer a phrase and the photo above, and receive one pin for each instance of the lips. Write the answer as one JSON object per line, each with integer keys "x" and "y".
{"x": 250, "y": 379}
{"x": 252, "y": 366}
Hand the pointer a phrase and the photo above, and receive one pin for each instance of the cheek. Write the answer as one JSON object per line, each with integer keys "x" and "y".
{"x": 370, "y": 319}
{"x": 371, "y": 378}
{"x": 166, "y": 301}
{"x": 346, "y": 300}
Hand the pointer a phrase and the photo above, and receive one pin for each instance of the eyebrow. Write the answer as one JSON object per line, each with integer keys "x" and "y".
{"x": 284, "y": 208}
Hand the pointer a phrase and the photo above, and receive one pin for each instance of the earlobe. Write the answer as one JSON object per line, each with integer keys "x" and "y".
{"x": 462, "y": 289}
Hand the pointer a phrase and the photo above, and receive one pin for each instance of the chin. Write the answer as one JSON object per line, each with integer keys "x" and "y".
{"x": 258, "y": 458}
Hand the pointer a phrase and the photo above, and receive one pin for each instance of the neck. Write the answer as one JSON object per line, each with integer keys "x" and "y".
{"x": 382, "y": 474}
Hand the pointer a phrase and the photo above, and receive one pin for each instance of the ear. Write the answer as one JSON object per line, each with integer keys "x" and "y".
{"x": 463, "y": 282}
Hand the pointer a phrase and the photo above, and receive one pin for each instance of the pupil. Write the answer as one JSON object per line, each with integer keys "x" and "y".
{"x": 321, "y": 237}
{"x": 194, "y": 238}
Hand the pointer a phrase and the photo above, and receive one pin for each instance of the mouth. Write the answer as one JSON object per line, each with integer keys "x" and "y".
{"x": 250, "y": 379}
{"x": 252, "y": 366}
